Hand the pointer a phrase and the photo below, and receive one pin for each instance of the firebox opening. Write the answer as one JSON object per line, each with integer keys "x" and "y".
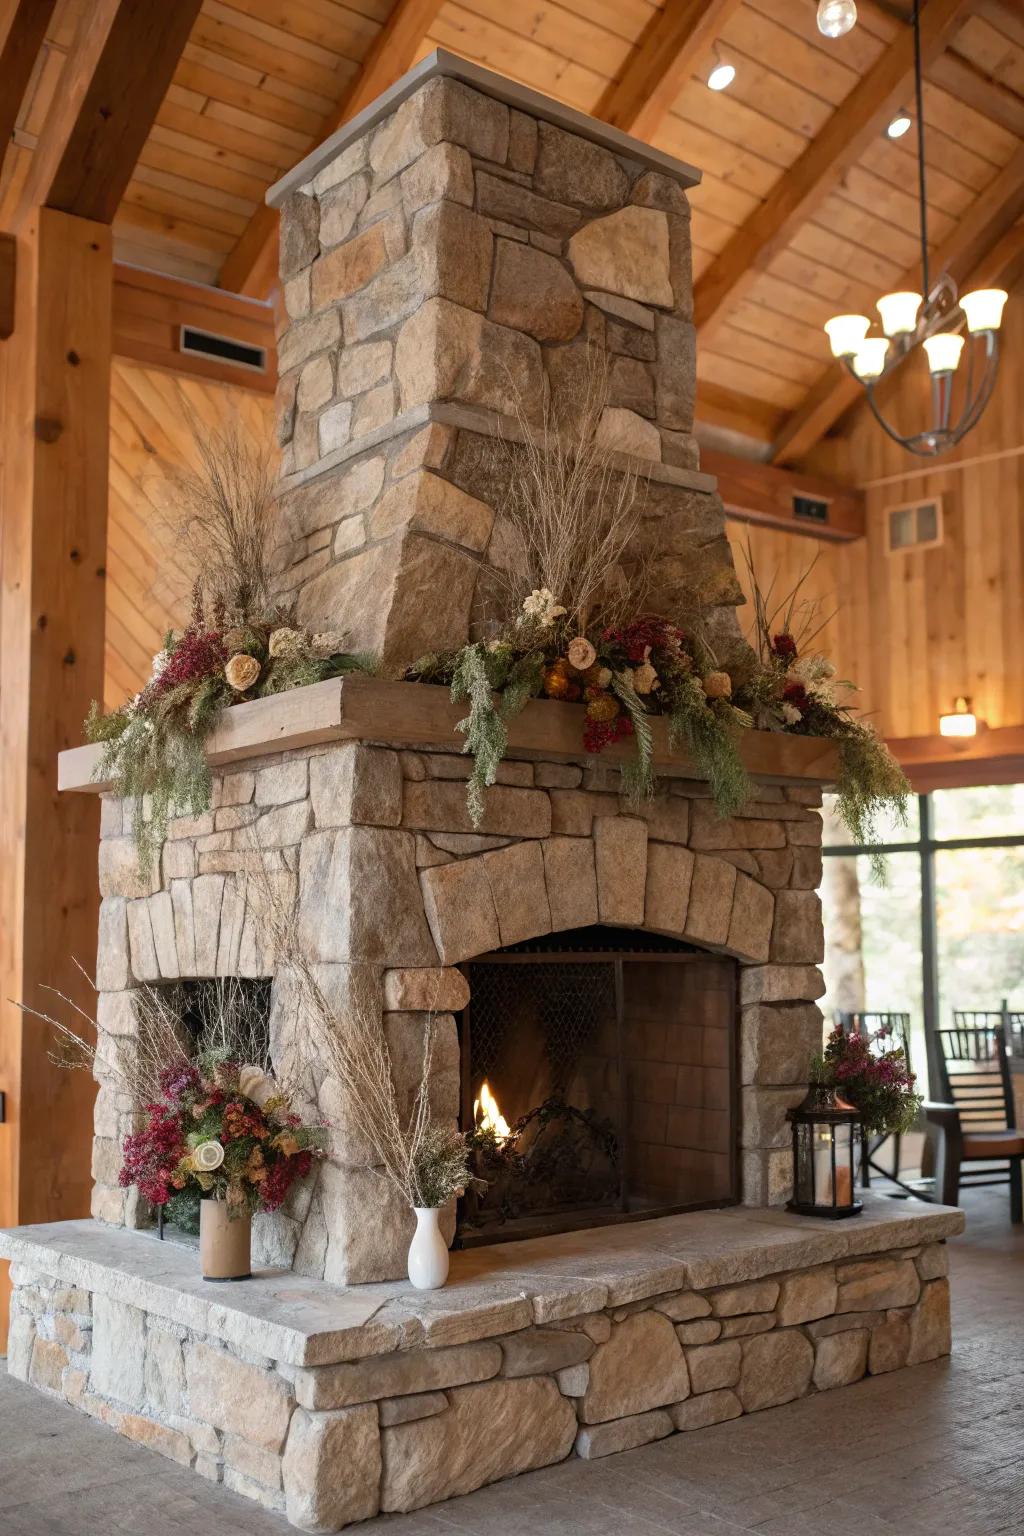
{"x": 598, "y": 1082}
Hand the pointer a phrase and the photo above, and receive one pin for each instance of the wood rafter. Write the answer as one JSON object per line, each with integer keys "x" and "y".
{"x": 979, "y": 245}
{"x": 760, "y": 493}
{"x": 22, "y": 33}
{"x": 251, "y": 267}
{"x": 119, "y": 66}
{"x": 675, "y": 42}
{"x": 824, "y": 162}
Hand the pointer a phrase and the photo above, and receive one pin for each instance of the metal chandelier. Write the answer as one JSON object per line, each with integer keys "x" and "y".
{"x": 934, "y": 320}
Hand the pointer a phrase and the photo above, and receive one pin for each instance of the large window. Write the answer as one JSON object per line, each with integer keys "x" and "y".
{"x": 946, "y": 929}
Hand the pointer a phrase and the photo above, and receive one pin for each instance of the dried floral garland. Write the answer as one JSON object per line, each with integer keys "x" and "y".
{"x": 154, "y": 747}
{"x": 624, "y": 674}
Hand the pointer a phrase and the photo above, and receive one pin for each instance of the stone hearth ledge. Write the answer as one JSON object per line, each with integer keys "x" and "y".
{"x": 492, "y": 1291}
{"x": 375, "y": 710}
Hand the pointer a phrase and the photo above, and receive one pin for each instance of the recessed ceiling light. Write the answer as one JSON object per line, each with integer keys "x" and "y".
{"x": 836, "y": 17}
{"x": 721, "y": 76}
{"x": 899, "y": 125}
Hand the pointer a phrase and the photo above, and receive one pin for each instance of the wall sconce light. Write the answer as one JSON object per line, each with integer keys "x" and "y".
{"x": 962, "y": 722}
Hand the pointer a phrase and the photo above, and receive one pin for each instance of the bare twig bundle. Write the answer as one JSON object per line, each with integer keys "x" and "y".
{"x": 788, "y": 612}
{"x": 423, "y": 1160}
{"x": 573, "y": 502}
{"x": 221, "y": 516}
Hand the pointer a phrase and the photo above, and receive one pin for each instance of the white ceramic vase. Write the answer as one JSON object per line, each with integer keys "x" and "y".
{"x": 428, "y": 1251}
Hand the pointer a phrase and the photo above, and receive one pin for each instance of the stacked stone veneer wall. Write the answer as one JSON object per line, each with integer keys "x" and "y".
{"x": 605, "y": 1370}
{"x": 444, "y": 271}
{"x": 395, "y": 889}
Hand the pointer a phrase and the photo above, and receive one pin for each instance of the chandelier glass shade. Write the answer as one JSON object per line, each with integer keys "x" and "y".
{"x": 934, "y": 321}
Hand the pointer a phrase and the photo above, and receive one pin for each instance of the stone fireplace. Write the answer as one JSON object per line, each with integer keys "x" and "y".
{"x": 634, "y": 986}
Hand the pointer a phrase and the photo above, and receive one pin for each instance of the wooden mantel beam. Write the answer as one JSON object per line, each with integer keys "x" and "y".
{"x": 251, "y": 266}
{"x": 675, "y": 42}
{"x": 982, "y": 245}
{"x": 821, "y": 167}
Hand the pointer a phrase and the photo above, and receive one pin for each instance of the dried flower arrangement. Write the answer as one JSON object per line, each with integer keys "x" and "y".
{"x": 236, "y": 646}
{"x": 582, "y": 633}
{"x": 794, "y": 688}
{"x": 878, "y": 1081}
{"x": 216, "y": 1122}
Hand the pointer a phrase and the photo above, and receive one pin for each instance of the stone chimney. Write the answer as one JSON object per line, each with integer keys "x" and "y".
{"x": 447, "y": 257}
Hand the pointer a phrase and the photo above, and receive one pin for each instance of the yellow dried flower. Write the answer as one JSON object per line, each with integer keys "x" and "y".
{"x": 604, "y": 708}
{"x": 286, "y": 642}
{"x": 242, "y": 671}
{"x": 717, "y": 685}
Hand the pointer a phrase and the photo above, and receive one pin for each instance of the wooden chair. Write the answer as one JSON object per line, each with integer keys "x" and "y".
{"x": 1009, "y": 1020}
{"x": 977, "y": 1124}
{"x": 897, "y": 1026}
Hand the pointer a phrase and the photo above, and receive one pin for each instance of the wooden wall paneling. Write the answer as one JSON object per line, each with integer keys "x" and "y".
{"x": 56, "y": 388}
{"x": 150, "y": 309}
{"x": 760, "y": 493}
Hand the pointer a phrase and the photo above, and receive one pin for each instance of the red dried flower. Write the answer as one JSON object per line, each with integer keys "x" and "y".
{"x": 784, "y": 645}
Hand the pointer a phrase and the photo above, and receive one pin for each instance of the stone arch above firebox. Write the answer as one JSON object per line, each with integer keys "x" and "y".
{"x": 617, "y": 875}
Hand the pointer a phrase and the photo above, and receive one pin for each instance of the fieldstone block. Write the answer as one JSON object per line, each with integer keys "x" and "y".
{"x": 626, "y": 252}
{"x": 705, "y": 1409}
{"x": 841, "y": 1358}
{"x": 571, "y": 881}
{"x": 573, "y": 810}
{"x": 714, "y": 1366}
{"x": 118, "y": 1351}
{"x": 711, "y": 832}
{"x": 543, "y": 1351}
{"x": 781, "y": 983}
{"x": 763, "y": 1115}
{"x": 620, "y": 854}
{"x": 403, "y": 1410}
{"x": 573, "y": 170}
{"x": 144, "y": 963}
{"x": 516, "y": 878}
{"x": 429, "y": 989}
{"x": 300, "y": 233}
{"x": 164, "y": 1372}
{"x": 807, "y": 1295}
{"x": 282, "y": 783}
{"x": 624, "y": 431}
{"x": 460, "y": 910}
{"x": 676, "y": 373}
{"x": 750, "y": 926}
{"x": 20, "y": 1340}
{"x": 533, "y": 292}
{"x": 453, "y": 246}
{"x": 303, "y": 338}
{"x": 574, "y": 1380}
{"x": 443, "y": 110}
{"x": 112, "y": 945}
{"x": 47, "y": 1364}
{"x": 356, "y": 785}
{"x": 933, "y": 1262}
{"x": 777, "y": 1043}
{"x": 426, "y": 503}
{"x": 440, "y": 806}
{"x": 753, "y": 1296}
{"x": 798, "y": 937}
{"x": 492, "y": 1430}
{"x": 776, "y": 1369}
{"x": 236, "y": 1397}
{"x": 625, "y": 1434}
{"x": 119, "y": 869}
{"x": 667, "y": 892}
{"x": 339, "y": 209}
{"x": 447, "y": 351}
{"x": 744, "y": 1327}
{"x": 444, "y": 171}
{"x": 514, "y": 204}
{"x": 642, "y": 1366}
{"x": 359, "y": 897}
{"x": 709, "y": 912}
{"x": 875, "y": 1283}
{"x": 929, "y": 1324}
{"x": 253, "y": 1463}
{"x": 685, "y": 1306}
{"x": 331, "y": 1468}
{"x": 705, "y": 1330}
{"x": 890, "y": 1344}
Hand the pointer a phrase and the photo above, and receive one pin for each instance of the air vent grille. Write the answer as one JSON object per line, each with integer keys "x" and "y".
{"x": 915, "y": 525}
{"x": 222, "y": 349}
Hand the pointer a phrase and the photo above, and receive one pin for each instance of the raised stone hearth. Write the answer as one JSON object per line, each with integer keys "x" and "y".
{"x": 331, "y": 1404}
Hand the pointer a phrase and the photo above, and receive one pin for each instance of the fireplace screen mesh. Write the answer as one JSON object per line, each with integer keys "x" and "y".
{"x": 598, "y": 1083}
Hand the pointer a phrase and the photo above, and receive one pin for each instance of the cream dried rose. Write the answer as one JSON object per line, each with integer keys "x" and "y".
{"x": 581, "y": 653}
{"x": 717, "y": 685}
{"x": 645, "y": 679}
{"x": 208, "y": 1156}
{"x": 257, "y": 1085}
{"x": 242, "y": 671}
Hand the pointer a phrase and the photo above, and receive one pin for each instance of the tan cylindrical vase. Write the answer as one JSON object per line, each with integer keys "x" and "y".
{"x": 224, "y": 1242}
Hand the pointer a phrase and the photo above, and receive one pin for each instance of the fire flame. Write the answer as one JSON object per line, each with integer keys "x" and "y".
{"x": 486, "y": 1114}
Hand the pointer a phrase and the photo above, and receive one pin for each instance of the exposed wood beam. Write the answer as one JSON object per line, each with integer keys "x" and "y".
{"x": 119, "y": 66}
{"x": 734, "y": 412}
{"x": 675, "y": 42}
{"x": 759, "y": 493}
{"x": 23, "y": 25}
{"x": 8, "y": 269}
{"x": 937, "y": 762}
{"x": 972, "y": 86}
{"x": 251, "y": 266}
{"x": 54, "y": 448}
{"x": 968, "y": 250}
{"x": 821, "y": 167}
{"x": 151, "y": 308}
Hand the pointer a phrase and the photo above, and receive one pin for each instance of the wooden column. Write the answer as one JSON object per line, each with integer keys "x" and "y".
{"x": 54, "y": 425}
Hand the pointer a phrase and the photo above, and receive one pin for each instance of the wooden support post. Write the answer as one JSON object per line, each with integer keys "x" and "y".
{"x": 54, "y": 425}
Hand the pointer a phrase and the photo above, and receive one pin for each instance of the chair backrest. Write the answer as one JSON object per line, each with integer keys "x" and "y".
{"x": 975, "y": 1071}
{"x": 897, "y": 1026}
{"x": 1009, "y": 1020}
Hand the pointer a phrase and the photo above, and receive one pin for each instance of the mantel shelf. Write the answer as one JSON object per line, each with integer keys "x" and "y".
{"x": 422, "y": 715}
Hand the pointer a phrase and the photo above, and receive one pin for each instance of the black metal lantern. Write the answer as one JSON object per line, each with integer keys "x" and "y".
{"x": 826, "y": 1139}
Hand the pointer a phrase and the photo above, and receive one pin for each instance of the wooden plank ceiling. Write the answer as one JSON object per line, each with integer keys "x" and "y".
{"x": 806, "y": 208}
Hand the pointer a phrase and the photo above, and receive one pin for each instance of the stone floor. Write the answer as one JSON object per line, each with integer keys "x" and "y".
{"x": 924, "y": 1450}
